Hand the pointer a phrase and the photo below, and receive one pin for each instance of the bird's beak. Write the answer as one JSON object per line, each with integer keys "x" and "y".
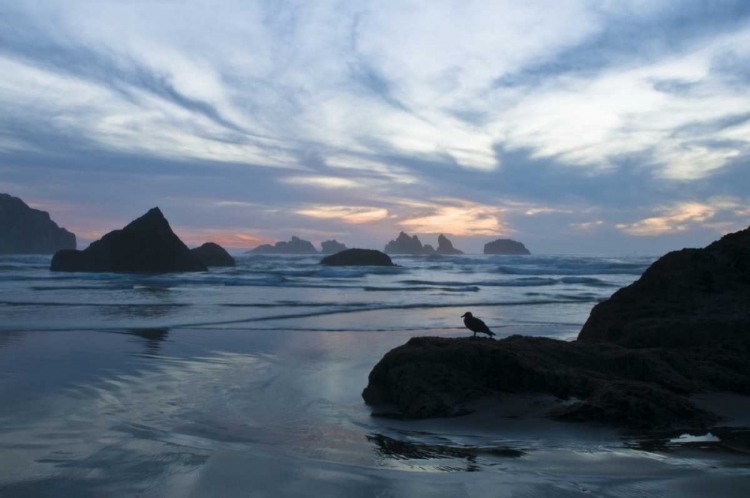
{"x": 463, "y": 315}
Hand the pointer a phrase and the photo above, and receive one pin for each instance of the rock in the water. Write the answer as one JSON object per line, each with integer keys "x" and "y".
{"x": 445, "y": 246}
{"x": 146, "y": 245}
{"x": 332, "y": 247}
{"x": 505, "y": 246}
{"x": 211, "y": 254}
{"x": 404, "y": 244}
{"x": 24, "y": 230}
{"x": 358, "y": 257}
{"x": 428, "y": 250}
{"x": 686, "y": 298}
{"x": 294, "y": 246}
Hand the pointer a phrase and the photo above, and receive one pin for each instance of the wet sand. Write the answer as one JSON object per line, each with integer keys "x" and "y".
{"x": 201, "y": 412}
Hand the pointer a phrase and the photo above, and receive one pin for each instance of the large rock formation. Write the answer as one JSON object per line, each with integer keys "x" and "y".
{"x": 358, "y": 257}
{"x": 146, "y": 245}
{"x": 211, "y": 254}
{"x": 24, "y": 230}
{"x": 404, "y": 244}
{"x": 684, "y": 327}
{"x": 445, "y": 246}
{"x": 505, "y": 246}
{"x": 294, "y": 246}
{"x": 332, "y": 247}
{"x": 688, "y": 297}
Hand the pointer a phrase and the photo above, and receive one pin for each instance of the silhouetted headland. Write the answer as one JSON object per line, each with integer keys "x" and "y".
{"x": 332, "y": 246}
{"x": 212, "y": 254}
{"x": 505, "y": 246}
{"x": 146, "y": 245}
{"x": 683, "y": 328}
{"x": 24, "y": 230}
{"x": 294, "y": 246}
{"x": 358, "y": 257}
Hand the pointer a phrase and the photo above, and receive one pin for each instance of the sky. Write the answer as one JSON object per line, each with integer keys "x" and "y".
{"x": 579, "y": 127}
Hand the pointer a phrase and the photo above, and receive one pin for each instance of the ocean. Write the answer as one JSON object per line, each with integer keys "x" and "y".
{"x": 246, "y": 381}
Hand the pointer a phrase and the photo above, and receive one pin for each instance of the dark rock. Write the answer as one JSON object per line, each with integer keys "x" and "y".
{"x": 505, "y": 246}
{"x": 294, "y": 246}
{"x": 445, "y": 246}
{"x": 404, "y": 244}
{"x": 211, "y": 254}
{"x": 682, "y": 328}
{"x": 428, "y": 250}
{"x": 439, "y": 377}
{"x": 332, "y": 247}
{"x": 686, "y": 298}
{"x": 24, "y": 230}
{"x": 146, "y": 245}
{"x": 358, "y": 257}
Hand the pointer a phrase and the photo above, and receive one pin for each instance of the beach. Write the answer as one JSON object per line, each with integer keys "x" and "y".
{"x": 248, "y": 381}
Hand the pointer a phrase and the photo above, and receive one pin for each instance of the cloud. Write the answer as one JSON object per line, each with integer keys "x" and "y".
{"x": 537, "y": 114}
{"x": 462, "y": 218}
{"x": 321, "y": 181}
{"x": 355, "y": 215}
{"x": 587, "y": 225}
{"x": 688, "y": 215}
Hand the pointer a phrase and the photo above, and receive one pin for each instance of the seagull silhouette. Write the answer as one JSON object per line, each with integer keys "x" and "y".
{"x": 476, "y": 325}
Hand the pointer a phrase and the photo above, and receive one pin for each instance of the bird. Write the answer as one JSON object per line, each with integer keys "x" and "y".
{"x": 476, "y": 325}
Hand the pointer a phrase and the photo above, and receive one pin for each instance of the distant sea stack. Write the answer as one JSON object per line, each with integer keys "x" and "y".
{"x": 358, "y": 257}
{"x": 332, "y": 247}
{"x": 24, "y": 230}
{"x": 505, "y": 246}
{"x": 294, "y": 246}
{"x": 146, "y": 245}
{"x": 445, "y": 246}
{"x": 404, "y": 244}
{"x": 211, "y": 254}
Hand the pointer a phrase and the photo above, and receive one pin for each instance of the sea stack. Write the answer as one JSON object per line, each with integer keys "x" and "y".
{"x": 445, "y": 246}
{"x": 358, "y": 257}
{"x": 404, "y": 244}
{"x": 294, "y": 246}
{"x": 24, "y": 230}
{"x": 505, "y": 246}
{"x": 146, "y": 245}
{"x": 332, "y": 247}
{"x": 212, "y": 254}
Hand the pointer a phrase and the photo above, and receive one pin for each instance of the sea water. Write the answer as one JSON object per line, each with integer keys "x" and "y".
{"x": 246, "y": 381}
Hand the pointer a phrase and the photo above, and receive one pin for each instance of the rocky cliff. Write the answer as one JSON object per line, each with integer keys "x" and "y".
{"x": 24, "y": 230}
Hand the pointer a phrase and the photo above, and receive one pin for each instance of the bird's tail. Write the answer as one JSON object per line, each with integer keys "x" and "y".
{"x": 490, "y": 333}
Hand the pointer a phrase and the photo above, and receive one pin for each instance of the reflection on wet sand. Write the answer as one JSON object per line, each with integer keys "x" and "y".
{"x": 153, "y": 337}
{"x": 399, "y": 449}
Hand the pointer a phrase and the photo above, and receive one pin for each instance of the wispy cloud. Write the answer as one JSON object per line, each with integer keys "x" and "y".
{"x": 460, "y": 218}
{"x": 321, "y": 181}
{"x": 355, "y": 215}
{"x": 687, "y": 215}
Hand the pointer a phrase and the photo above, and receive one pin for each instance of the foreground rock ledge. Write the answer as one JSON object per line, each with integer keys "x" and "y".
{"x": 634, "y": 388}
{"x": 682, "y": 328}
